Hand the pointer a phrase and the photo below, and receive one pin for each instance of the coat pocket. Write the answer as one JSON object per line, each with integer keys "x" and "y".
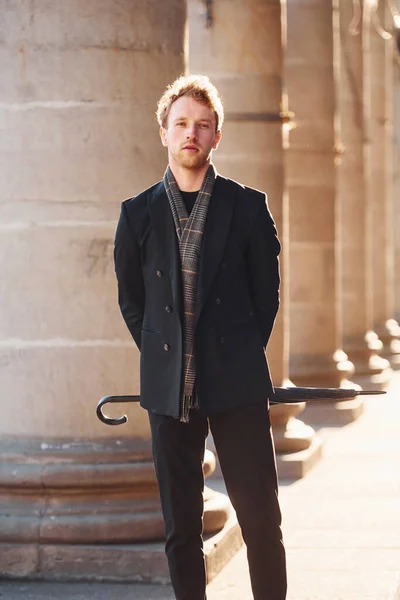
{"x": 150, "y": 330}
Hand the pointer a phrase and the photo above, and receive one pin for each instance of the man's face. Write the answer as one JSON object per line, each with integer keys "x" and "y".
{"x": 190, "y": 134}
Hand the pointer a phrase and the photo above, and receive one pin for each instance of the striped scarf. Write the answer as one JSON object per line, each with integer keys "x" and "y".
{"x": 190, "y": 230}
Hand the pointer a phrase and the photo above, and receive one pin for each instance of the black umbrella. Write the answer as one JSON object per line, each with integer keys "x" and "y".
{"x": 289, "y": 395}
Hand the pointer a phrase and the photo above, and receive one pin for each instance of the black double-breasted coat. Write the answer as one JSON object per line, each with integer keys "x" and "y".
{"x": 237, "y": 297}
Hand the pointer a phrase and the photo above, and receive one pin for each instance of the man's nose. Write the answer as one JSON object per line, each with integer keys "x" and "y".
{"x": 191, "y": 131}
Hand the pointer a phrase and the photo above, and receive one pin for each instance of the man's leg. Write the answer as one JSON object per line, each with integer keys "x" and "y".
{"x": 178, "y": 451}
{"x": 245, "y": 450}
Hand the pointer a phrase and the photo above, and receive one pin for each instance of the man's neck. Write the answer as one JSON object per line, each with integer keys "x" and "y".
{"x": 189, "y": 180}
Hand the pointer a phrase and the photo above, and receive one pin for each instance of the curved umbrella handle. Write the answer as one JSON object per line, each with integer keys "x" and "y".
{"x": 113, "y": 400}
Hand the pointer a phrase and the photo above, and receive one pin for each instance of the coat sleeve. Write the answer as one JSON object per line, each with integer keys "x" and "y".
{"x": 263, "y": 269}
{"x": 128, "y": 269}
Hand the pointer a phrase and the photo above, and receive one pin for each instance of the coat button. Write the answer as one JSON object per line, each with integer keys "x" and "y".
{"x": 221, "y": 340}
{"x": 160, "y": 273}
{"x": 166, "y": 347}
{"x": 168, "y": 309}
{"x": 217, "y": 301}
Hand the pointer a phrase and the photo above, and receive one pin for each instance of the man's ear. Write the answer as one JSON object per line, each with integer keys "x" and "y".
{"x": 163, "y": 136}
{"x": 217, "y": 140}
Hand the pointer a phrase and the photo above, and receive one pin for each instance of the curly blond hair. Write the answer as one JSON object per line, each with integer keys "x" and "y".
{"x": 198, "y": 87}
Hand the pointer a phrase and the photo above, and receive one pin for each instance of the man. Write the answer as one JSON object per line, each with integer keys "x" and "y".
{"x": 197, "y": 269}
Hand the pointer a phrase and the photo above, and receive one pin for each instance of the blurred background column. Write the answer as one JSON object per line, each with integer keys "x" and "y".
{"x": 382, "y": 176}
{"x": 77, "y": 105}
{"x": 360, "y": 342}
{"x": 239, "y": 46}
{"x": 397, "y": 173}
{"x": 312, "y": 76}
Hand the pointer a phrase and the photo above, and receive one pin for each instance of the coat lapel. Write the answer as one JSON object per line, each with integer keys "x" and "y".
{"x": 216, "y": 232}
{"x": 163, "y": 222}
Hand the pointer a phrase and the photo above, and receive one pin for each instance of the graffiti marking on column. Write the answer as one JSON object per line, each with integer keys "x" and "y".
{"x": 100, "y": 256}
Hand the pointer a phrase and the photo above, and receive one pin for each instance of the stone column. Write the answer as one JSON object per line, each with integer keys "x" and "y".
{"x": 245, "y": 64}
{"x": 397, "y": 186}
{"x": 77, "y": 102}
{"x": 312, "y": 72}
{"x": 360, "y": 342}
{"x": 381, "y": 65}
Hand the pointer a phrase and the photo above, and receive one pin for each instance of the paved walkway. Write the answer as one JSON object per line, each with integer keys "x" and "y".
{"x": 342, "y": 521}
{"x": 341, "y": 525}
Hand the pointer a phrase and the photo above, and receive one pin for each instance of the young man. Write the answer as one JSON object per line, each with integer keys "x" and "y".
{"x": 197, "y": 269}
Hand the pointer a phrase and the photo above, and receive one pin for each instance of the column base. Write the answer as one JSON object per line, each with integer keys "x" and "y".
{"x": 297, "y": 447}
{"x": 72, "y": 492}
{"x": 375, "y": 382}
{"x": 144, "y": 562}
{"x": 332, "y": 413}
{"x": 319, "y": 370}
{"x": 295, "y": 465}
{"x": 371, "y": 370}
{"x": 290, "y": 434}
{"x": 389, "y": 333}
{"x": 327, "y": 371}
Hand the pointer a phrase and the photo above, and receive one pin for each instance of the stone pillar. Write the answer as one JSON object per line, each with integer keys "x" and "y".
{"x": 397, "y": 187}
{"x": 382, "y": 53}
{"x": 77, "y": 102}
{"x": 360, "y": 342}
{"x": 312, "y": 71}
{"x": 246, "y": 66}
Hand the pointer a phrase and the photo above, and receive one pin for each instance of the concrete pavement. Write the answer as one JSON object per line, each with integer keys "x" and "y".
{"x": 341, "y": 525}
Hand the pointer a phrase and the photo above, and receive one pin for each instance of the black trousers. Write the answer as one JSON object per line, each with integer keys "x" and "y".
{"x": 245, "y": 450}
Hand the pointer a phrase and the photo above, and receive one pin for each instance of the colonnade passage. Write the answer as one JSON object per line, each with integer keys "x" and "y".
{"x": 311, "y": 91}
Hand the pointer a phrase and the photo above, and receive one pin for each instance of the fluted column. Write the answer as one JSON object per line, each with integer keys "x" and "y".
{"x": 360, "y": 342}
{"x": 77, "y": 101}
{"x": 312, "y": 74}
{"x": 245, "y": 64}
{"x": 382, "y": 92}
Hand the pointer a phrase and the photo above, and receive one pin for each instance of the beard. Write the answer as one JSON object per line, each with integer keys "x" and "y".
{"x": 190, "y": 160}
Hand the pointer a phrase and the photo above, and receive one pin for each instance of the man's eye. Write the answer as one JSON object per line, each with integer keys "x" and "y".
{"x": 180, "y": 124}
{"x": 204, "y": 125}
